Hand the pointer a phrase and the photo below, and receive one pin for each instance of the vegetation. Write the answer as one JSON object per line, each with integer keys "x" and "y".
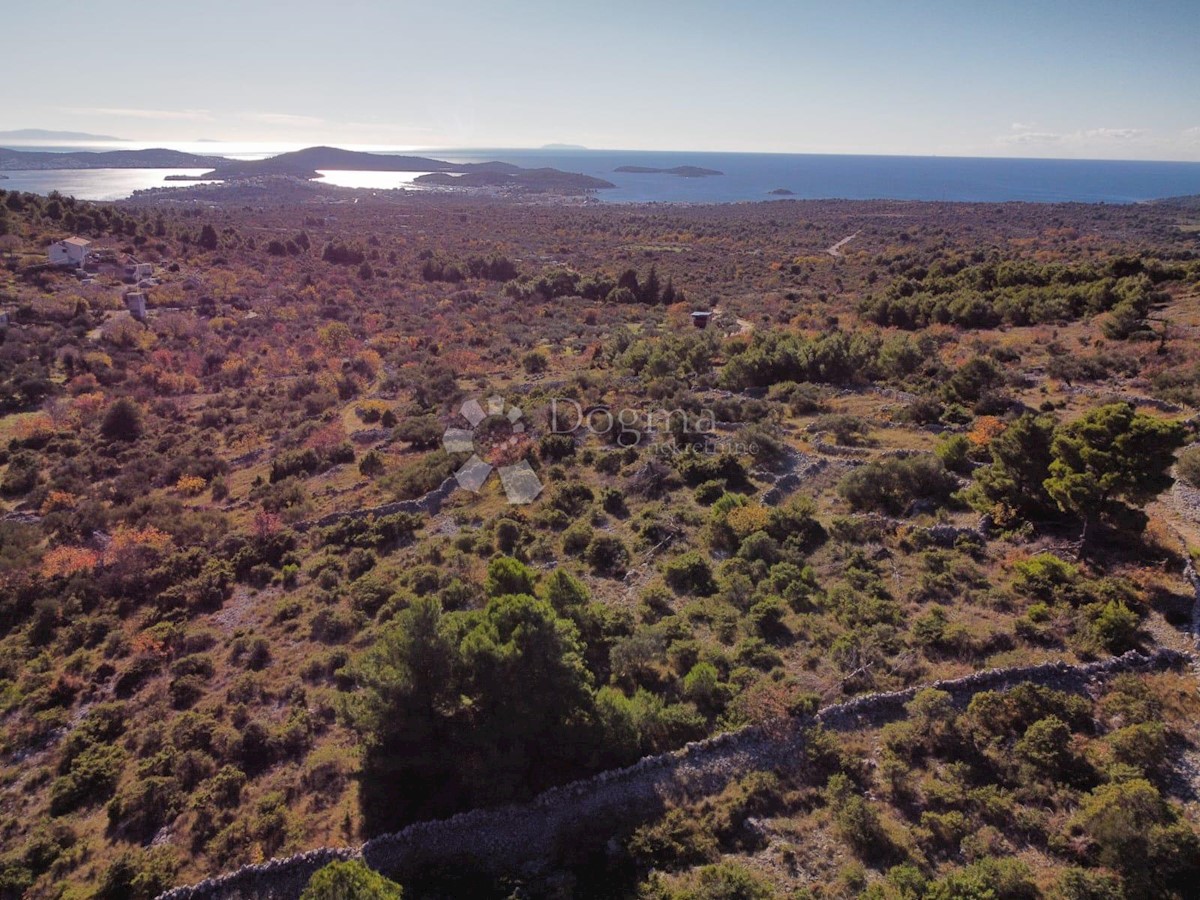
{"x": 235, "y": 625}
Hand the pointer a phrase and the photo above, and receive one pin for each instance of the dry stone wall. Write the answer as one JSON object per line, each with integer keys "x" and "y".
{"x": 527, "y": 838}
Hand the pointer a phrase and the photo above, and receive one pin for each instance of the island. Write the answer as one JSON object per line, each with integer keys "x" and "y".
{"x": 681, "y": 171}
{"x": 41, "y": 134}
{"x": 106, "y": 159}
{"x": 535, "y": 180}
{"x": 308, "y": 164}
{"x": 783, "y": 192}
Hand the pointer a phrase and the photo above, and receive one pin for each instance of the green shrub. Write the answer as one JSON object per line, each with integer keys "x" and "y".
{"x": 139, "y": 874}
{"x": 856, "y": 818}
{"x": 575, "y": 539}
{"x": 506, "y": 575}
{"x": 350, "y": 880}
{"x": 891, "y": 485}
{"x": 678, "y": 839}
{"x": 607, "y": 555}
{"x": 91, "y": 778}
{"x": 145, "y": 806}
{"x": 1113, "y": 626}
{"x": 690, "y": 573}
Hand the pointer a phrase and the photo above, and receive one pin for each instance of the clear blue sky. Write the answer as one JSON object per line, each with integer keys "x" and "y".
{"x": 1101, "y": 79}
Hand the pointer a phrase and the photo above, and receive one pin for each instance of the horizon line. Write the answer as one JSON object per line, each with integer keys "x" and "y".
{"x": 566, "y": 147}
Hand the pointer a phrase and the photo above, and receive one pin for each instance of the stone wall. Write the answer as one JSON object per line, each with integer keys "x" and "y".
{"x": 429, "y": 503}
{"x": 528, "y": 837}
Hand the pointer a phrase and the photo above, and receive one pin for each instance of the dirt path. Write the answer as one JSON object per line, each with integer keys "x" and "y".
{"x": 836, "y": 250}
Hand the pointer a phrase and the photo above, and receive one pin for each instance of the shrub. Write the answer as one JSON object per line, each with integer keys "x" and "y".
{"x": 556, "y": 447}
{"x": 1046, "y": 747}
{"x": 423, "y": 432}
{"x": 145, "y": 806}
{"x": 677, "y": 839}
{"x": 1045, "y": 577}
{"x": 1188, "y": 466}
{"x": 1088, "y": 884}
{"x": 91, "y": 778}
{"x": 139, "y": 874}
{"x": 1118, "y": 818}
{"x": 892, "y": 485}
{"x": 607, "y": 555}
{"x": 350, "y": 880}
{"x": 987, "y": 879}
{"x": 122, "y": 421}
{"x": 1113, "y": 625}
{"x": 690, "y": 573}
{"x": 855, "y": 817}
{"x": 709, "y": 492}
{"x": 847, "y": 430}
{"x": 506, "y": 575}
{"x": 577, "y": 538}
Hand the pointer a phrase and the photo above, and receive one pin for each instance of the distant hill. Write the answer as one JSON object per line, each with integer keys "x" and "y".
{"x": 41, "y": 134}
{"x": 108, "y": 159}
{"x": 308, "y": 162}
{"x": 681, "y": 171}
{"x": 527, "y": 179}
{"x": 305, "y": 163}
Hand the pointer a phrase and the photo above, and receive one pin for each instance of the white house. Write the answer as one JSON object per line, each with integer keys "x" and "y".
{"x": 71, "y": 252}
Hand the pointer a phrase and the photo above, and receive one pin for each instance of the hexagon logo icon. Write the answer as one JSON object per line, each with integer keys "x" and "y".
{"x": 521, "y": 484}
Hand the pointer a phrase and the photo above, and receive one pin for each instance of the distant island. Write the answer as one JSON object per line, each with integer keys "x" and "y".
{"x": 563, "y": 147}
{"x": 783, "y": 192}
{"x": 41, "y": 134}
{"x": 681, "y": 171}
{"x": 537, "y": 180}
{"x": 107, "y": 159}
{"x": 308, "y": 164}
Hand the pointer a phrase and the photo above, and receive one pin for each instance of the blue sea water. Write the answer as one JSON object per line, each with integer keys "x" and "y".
{"x": 746, "y": 176}
{"x": 752, "y": 176}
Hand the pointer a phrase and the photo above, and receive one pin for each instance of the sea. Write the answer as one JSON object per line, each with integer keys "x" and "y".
{"x": 745, "y": 176}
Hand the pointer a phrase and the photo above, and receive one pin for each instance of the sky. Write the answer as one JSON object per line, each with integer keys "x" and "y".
{"x": 1101, "y": 79}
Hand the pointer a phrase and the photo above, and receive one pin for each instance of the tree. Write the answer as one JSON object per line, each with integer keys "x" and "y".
{"x": 532, "y": 698}
{"x": 350, "y": 880}
{"x": 1119, "y": 818}
{"x": 1011, "y": 487}
{"x": 1111, "y": 457}
{"x": 651, "y": 289}
{"x": 506, "y": 575}
{"x": 1046, "y": 747}
{"x": 404, "y": 715}
{"x": 208, "y": 238}
{"x": 472, "y": 708}
{"x": 122, "y": 422}
{"x": 978, "y": 378}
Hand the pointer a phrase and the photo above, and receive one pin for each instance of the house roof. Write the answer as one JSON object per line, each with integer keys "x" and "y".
{"x": 77, "y": 242}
